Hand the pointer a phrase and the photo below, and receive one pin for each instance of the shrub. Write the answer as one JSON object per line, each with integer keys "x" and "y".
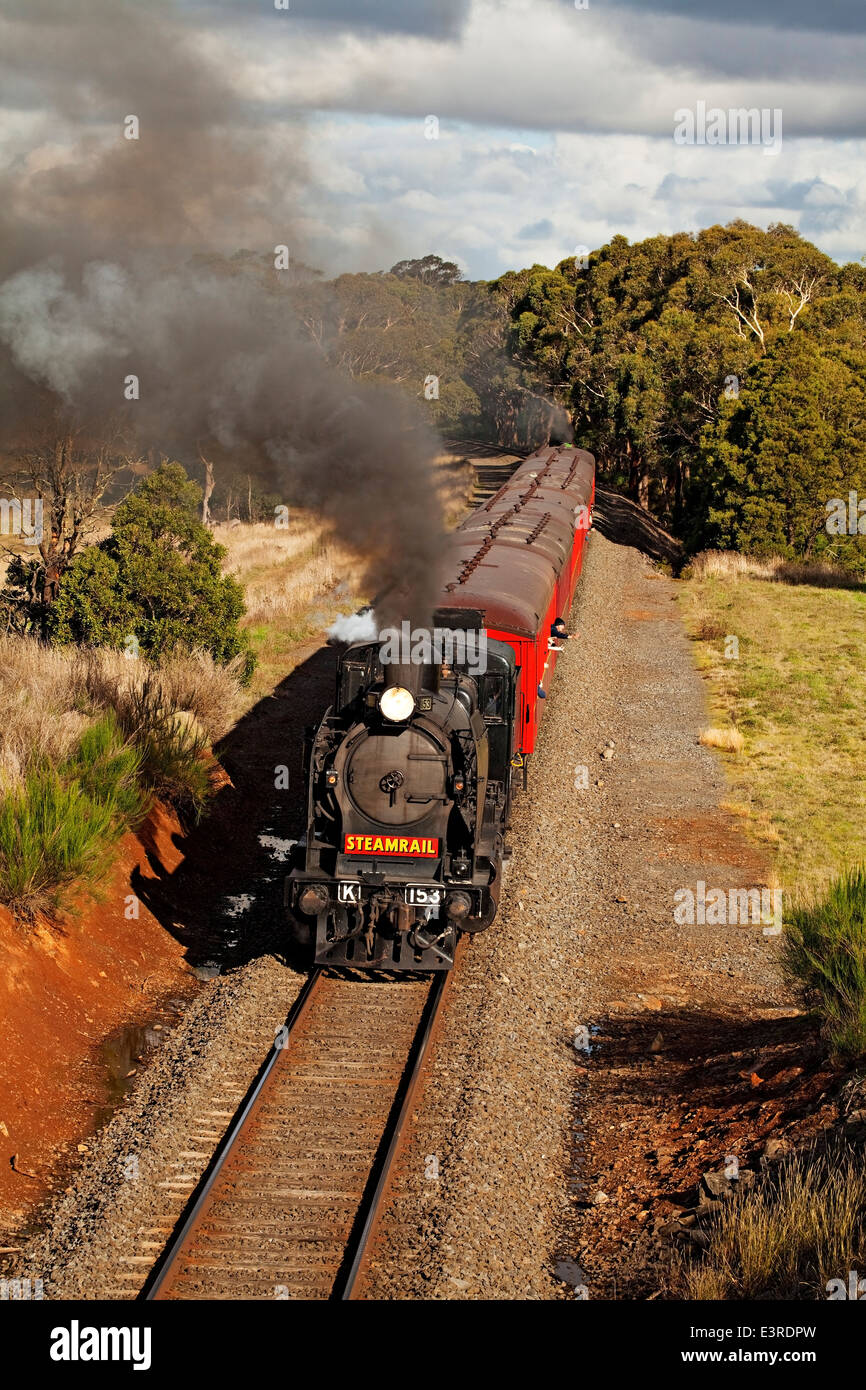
{"x": 824, "y": 952}
{"x": 156, "y": 579}
{"x": 56, "y": 825}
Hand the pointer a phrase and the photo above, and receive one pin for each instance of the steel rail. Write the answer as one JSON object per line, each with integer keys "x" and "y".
{"x": 378, "y": 1184}
{"x": 197, "y": 1204}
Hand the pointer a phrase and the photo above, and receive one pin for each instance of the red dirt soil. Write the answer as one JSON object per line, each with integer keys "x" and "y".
{"x": 64, "y": 987}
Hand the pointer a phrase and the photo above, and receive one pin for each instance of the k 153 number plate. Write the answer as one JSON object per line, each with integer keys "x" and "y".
{"x": 420, "y": 896}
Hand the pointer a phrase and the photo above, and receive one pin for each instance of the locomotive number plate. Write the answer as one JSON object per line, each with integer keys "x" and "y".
{"x": 418, "y": 896}
{"x": 348, "y": 892}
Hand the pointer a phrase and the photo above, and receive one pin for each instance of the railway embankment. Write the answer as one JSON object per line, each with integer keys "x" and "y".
{"x": 211, "y": 900}
{"x": 83, "y": 998}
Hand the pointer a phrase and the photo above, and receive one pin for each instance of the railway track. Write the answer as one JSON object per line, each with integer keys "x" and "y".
{"x": 289, "y": 1204}
{"x": 492, "y": 464}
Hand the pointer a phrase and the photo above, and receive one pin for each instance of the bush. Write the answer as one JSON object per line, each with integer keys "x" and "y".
{"x": 156, "y": 582}
{"x": 57, "y": 824}
{"x": 800, "y": 1228}
{"x": 172, "y": 747}
{"x": 824, "y": 952}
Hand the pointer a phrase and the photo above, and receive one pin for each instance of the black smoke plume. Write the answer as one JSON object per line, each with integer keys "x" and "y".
{"x": 107, "y": 272}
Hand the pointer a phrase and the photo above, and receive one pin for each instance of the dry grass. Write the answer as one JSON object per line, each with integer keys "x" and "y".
{"x": 49, "y": 696}
{"x": 184, "y": 683}
{"x": 729, "y": 564}
{"x": 296, "y": 582}
{"x": 39, "y": 713}
{"x": 727, "y": 740}
{"x": 707, "y": 629}
{"x": 801, "y": 1227}
{"x": 285, "y": 572}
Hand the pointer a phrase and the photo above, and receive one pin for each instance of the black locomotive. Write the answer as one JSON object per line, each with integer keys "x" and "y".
{"x": 409, "y": 788}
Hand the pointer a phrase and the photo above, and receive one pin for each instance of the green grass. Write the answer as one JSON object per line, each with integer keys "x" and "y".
{"x": 58, "y": 824}
{"x": 274, "y": 644}
{"x": 108, "y": 770}
{"x": 797, "y": 693}
{"x": 824, "y": 953}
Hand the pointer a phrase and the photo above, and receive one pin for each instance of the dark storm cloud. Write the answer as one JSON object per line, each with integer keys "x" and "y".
{"x": 828, "y": 16}
{"x": 437, "y": 19}
{"x": 738, "y": 52}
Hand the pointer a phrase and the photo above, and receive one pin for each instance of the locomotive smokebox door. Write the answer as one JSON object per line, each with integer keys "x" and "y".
{"x": 395, "y": 777}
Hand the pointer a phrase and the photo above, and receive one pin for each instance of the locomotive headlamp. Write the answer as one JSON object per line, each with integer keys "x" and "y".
{"x": 331, "y": 779}
{"x": 397, "y": 703}
{"x": 314, "y": 899}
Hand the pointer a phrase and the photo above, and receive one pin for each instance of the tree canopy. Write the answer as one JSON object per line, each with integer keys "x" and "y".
{"x": 155, "y": 582}
{"x": 430, "y": 270}
{"x": 718, "y": 377}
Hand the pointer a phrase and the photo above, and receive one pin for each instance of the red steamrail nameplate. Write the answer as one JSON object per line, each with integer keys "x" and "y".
{"x": 382, "y": 845}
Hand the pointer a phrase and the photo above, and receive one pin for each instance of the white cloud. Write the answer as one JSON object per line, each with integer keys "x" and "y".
{"x": 475, "y": 199}
{"x": 547, "y": 66}
{"x": 555, "y": 124}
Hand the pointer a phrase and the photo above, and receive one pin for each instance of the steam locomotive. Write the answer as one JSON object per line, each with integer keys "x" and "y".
{"x": 411, "y": 772}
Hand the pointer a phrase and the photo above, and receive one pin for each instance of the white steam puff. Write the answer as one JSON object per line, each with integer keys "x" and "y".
{"x": 354, "y": 627}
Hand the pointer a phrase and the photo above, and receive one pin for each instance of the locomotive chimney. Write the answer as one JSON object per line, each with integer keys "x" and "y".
{"x": 407, "y": 674}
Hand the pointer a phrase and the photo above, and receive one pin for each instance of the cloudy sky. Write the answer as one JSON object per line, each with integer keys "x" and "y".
{"x": 502, "y": 132}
